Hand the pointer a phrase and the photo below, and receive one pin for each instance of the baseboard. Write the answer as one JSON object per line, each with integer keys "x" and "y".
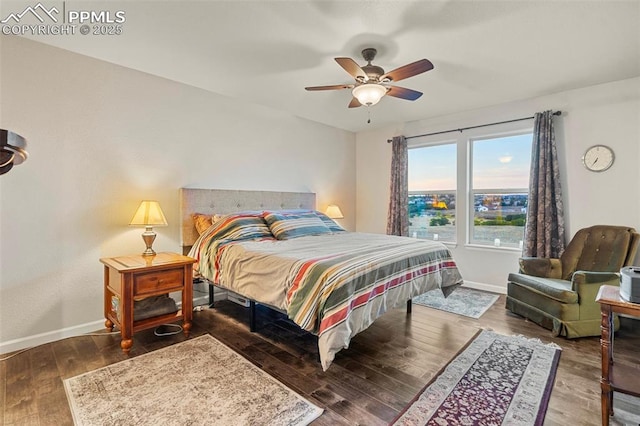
{"x": 220, "y": 294}
{"x": 50, "y": 336}
{"x": 486, "y": 287}
{"x": 77, "y": 330}
{"x": 197, "y": 301}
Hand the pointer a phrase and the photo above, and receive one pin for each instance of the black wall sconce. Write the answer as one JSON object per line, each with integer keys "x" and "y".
{"x": 12, "y": 150}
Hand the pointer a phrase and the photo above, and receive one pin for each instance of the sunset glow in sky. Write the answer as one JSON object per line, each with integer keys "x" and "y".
{"x": 497, "y": 163}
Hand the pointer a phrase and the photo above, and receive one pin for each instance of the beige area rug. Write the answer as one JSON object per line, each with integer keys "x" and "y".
{"x": 197, "y": 382}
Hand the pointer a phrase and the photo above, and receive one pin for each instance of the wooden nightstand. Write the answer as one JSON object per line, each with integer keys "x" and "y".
{"x": 615, "y": 377}
{"x": 135, "y": 277}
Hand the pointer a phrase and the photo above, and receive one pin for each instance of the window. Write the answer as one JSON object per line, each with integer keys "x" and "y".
{"x": 499, "y": 188}
{"x": 432, "y": 192}
{"x": 490, "y": 169}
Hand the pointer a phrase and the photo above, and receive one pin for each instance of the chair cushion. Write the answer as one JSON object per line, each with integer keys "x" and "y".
{"x": 556, "y": 289}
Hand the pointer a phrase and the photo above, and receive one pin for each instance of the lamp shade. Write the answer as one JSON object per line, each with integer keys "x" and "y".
{"x": 149, "y": 213}
{"x": 369, "y": 93}
{"x": 334, "y": 212}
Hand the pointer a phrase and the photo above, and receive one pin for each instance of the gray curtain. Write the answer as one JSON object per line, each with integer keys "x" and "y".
{"x": 398, "y": 214}
{"x": 544, "y": 230}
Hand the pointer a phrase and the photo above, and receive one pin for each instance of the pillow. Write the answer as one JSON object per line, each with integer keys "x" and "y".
{"x": 240, "y": 227}
{"x": 217, "y": 216}
{"x": 331, "y": 224}
{"x": 287, "y": 226}
{"x": 202, "y": 222}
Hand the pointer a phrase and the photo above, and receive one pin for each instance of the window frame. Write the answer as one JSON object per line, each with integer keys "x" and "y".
{"x": 464, "y": 210}
{"x": 456, "y": 190}
{"x": 472, "y": 192}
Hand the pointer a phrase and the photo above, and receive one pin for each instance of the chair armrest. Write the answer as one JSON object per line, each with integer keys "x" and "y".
{"x": 587, "y": 283}
{"x": 541, "y": 267}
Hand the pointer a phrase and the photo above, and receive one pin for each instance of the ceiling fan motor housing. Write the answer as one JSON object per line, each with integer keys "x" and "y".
{"x": 373, "y": 71}
{"x": 369, "y": 54}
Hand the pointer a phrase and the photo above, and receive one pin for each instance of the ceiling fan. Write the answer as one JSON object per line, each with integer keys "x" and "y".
{"x": 372, "y": 83}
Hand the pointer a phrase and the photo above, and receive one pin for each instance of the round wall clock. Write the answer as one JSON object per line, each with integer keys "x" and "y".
{"x": 598, "y": 158}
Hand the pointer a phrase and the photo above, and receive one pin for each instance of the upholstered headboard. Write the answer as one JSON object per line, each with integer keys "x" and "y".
{"x": 224, "y": 201}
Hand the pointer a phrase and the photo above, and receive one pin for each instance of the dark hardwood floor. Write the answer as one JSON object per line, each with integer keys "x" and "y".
{"x": 368, "y": 384}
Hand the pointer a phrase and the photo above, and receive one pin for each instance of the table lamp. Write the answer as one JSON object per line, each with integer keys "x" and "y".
{"x": 334, "y": 212}
{"x": 149, "y": 214}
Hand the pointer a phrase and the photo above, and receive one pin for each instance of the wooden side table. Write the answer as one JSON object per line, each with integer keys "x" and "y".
{"x": 621, "y": 378}
{"x": 136, "y": 277}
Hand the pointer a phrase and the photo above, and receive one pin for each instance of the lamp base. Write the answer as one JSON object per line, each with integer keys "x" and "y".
{"x": 148, "y": 236}
{"x": 149, "y": 252}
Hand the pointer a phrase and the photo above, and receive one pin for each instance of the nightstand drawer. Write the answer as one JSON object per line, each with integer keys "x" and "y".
{"x": 156, "y": 282}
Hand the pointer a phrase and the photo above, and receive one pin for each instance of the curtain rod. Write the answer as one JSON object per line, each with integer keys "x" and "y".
{"x": 472, "y": 127}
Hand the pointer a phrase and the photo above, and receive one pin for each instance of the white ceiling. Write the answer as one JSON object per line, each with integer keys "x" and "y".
{"x": 266, "y": 52}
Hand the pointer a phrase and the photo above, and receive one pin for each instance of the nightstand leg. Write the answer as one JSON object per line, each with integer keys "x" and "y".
{"x": 606, "y": 334}
{"x": 187, "y": 299}
{"x": 108, "y": 324}
{"x": 126, "y": 344}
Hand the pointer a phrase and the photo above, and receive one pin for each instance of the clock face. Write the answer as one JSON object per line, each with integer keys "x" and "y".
{"x": 598, "y": 158}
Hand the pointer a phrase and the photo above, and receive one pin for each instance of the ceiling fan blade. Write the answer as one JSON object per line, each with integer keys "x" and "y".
{"x": 403, "y": 93}
{"x": 352, "y": 68}
{"x": 355, "y": 103}
{"x": 334, "y": 87}
{"x": 415, "y": 68}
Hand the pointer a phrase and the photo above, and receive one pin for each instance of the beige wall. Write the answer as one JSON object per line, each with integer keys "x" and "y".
{"x": 101, "y": 138}
{"x": 605, "y": 114}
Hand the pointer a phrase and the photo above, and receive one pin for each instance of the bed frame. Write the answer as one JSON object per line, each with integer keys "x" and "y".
{"x": 223, "y": 201}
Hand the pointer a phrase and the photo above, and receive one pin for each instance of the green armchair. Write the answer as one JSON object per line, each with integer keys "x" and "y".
{"x": 560, "y": 294}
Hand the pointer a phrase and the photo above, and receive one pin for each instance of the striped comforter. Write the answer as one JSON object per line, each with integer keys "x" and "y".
{"x": 332, "y": 285}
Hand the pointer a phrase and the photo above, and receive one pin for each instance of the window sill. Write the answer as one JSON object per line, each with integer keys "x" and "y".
{"x": 446, "y": 243}
{"x": 493, "y": 248}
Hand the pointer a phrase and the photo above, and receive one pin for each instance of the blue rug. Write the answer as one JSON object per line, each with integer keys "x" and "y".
{"x": 463, "y": 301}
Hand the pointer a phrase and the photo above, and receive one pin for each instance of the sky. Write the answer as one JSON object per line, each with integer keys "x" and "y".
{"x": 497, "y": 163}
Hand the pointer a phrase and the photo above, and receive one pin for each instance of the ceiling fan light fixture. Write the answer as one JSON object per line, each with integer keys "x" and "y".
{"x": 369, "y": 93}
{"x": 372, "y": 82}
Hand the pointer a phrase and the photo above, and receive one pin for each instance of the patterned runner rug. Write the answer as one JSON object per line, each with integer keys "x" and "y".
{"x": 463, "y": 301}
{"x": 495, "y": 380}
{"x": 198, "y": 381}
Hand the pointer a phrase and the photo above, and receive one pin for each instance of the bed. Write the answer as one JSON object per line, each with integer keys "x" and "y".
{"x": 273, "y": 248}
